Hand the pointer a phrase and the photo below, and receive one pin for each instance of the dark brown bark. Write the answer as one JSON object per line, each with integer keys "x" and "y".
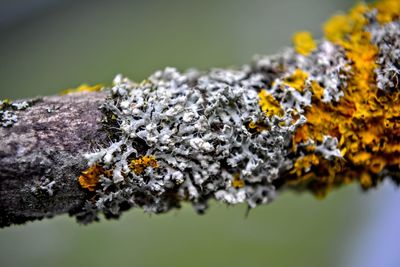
{"x": 41, "y": 156}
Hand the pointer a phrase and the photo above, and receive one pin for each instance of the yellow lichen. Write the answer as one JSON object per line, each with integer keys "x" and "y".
{"x": 336, "y": 28}
{"x": 258, "y": 126}
{"x": 317, "y": 90}
{"x": 83, "y": 88}
{"x": 269, "y": 104}
{"x": 297, "y": 80}
{"x": 304, "y": 164}
{"x": 339, "y": 26}
{"x": 237, "y": 182}
{"x": 388, "y": 10}
{"x": 304, "y": 43}
{"x": 139, "y": 165}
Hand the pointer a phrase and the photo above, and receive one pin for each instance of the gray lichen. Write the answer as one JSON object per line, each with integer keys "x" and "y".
{"x": 327, "y": 65}
{"x": 196, "y": 127}
{"x": 387, "y": 39}
{"x": 198, "y": 136}
{"x": 9, "y": 110}
{"x": 43, "y": 186}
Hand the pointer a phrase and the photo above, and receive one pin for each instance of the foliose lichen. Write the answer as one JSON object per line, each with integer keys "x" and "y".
{"x": 313, "y": 117}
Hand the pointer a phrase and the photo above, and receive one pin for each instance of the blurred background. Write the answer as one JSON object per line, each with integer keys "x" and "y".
{"x": 50, "y": 45}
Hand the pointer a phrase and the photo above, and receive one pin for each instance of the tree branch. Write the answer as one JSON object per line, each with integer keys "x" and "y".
{"x": 311, "y": 118}
{"x": 41, "y": 156}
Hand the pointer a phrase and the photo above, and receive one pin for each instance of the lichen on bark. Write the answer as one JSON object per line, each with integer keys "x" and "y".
{"x": 311, "y": 118}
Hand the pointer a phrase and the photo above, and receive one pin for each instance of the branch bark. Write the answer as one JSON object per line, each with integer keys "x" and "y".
{"x": 40, "y": 157}
{"x": 311, "y": 118}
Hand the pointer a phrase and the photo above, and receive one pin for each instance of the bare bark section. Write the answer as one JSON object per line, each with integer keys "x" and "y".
{"x": 41, "y": 156}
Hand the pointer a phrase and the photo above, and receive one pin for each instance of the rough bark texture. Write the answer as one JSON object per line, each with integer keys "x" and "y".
{"x": 40, "y": 157}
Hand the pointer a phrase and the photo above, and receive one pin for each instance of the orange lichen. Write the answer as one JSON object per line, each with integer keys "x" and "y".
{"x": 139, "y": 165}
{"x": 365, "y": 180}
{"x": 304, "y": 43}
{"x": 90, "y": 177}
{"x": 269, "y": 104}
{"x": 83, "y": 88}
{"x": 364, "y": 120}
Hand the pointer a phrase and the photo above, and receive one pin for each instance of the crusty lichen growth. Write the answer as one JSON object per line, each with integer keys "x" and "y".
{"x": 316, "y": 116}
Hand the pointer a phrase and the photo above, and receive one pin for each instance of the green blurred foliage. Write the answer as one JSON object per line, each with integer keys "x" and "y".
{"x": 295, "y": 230}
{"x": 90, "y": 42}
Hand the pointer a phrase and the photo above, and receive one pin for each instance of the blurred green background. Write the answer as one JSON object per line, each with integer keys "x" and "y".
{"x": 47, "y": 46}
